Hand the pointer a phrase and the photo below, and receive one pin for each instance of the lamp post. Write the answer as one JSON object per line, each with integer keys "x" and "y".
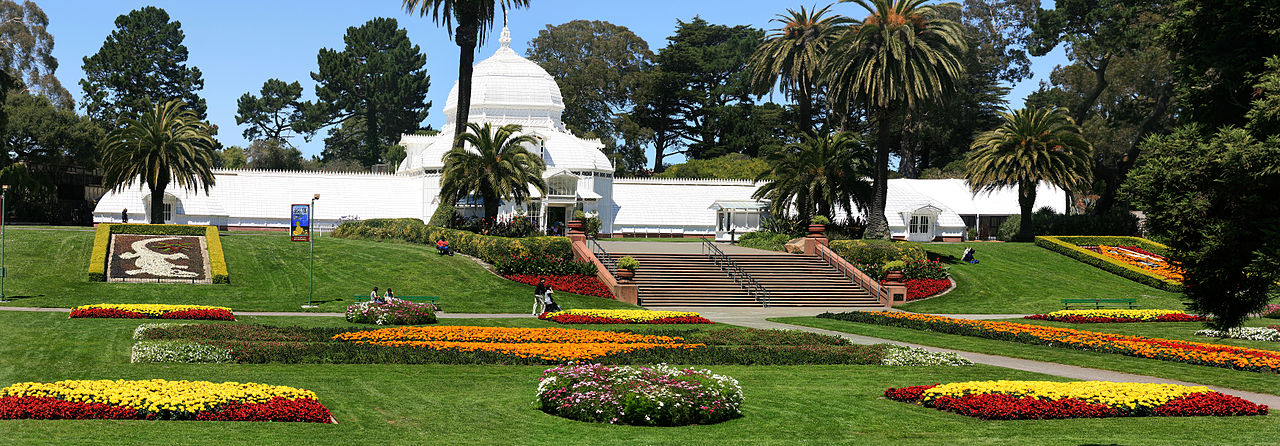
{"x": 311, "y": 239}
{"x": 4, "y": 190}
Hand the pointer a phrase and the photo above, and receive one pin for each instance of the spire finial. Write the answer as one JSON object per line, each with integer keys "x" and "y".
{"x": 505, "y": 39}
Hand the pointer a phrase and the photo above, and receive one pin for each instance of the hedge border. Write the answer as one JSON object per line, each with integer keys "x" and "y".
{"x": 1070, "y": 246}
{"x": 488, "y": 248}
{"x": 102, "y": 238}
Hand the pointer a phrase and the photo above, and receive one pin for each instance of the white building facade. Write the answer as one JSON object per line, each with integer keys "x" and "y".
{"x": 509, "y": 89}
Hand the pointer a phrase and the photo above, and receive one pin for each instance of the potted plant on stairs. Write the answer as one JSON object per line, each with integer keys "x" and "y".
{"x": 818, "y": 225}
{"x": 893, "y": 271}
{"x": 627, "y": 268}
{"x": 578, "y": 222}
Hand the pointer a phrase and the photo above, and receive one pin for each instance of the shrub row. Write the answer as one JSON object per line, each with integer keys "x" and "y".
{"x": 102, "y": 243}
{"x": 487, "y": 248}
{"x": 1070, "y": 246}
{"x": 766, "y": 240}
{"x": 1048, "y": 222}
{"x": 877, "y": 251}
{"x": 544, "y": 265}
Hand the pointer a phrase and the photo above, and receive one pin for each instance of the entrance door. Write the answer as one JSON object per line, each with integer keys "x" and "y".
{"x": 556, "y": 220}
{"x": 921, "y": 228}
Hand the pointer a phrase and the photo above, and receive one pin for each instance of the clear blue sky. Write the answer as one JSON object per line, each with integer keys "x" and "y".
{"x": 239, "y": 44}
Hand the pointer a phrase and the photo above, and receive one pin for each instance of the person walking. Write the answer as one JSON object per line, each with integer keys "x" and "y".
{"x": 539, "y": 296}
{"x": 124, "y": 216}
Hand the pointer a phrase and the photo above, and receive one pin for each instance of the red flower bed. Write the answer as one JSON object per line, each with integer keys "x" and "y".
{"x": 995, "y": 406}
{"x": 922, "y": 288}
{"x": 304, "y": 410}
{"x": 1209, "y": 404}
{"x": 577, "y": 319}
{"x": 107, "y": 313}
{"x": 908, "y": 394}
{"x": 38, "y": 408}
{"x": 212, "y": 315}
{"x": 574, "y": 283}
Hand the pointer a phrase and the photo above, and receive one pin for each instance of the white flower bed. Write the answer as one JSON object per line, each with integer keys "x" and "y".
{"x": 1246, "y": 333}
{"x": 140, "y": 332}
{"x": 915, "y": 356}
{"x": 178, "y": 351}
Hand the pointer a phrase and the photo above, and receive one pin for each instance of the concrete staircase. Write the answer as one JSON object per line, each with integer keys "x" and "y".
{"x": 791, "y": 280}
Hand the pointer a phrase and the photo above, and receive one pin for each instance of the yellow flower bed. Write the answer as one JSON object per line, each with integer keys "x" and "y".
{"x": 1127, "y": 396}
{"x": 155, "y": 310}
{"x": 629, "y": 315}
{"x": 1145, "y": 315}
{"x": 156, "y": 395}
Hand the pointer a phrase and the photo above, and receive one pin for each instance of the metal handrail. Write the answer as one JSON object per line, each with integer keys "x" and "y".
{"x": 735, "y": 272}
{"x": 852, "y": 273}
{"x": 604, "y": 257}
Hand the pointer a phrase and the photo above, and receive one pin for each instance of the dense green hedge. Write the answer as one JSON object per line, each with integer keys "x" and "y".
{"x": 487, "y": 248}
{"x": 1070, "y": 246}
{"x": 877, "y": 251}
{"x": 766, "y": 240}
{"x": 102, "y": 242}
{"x": 1042, "y": 222}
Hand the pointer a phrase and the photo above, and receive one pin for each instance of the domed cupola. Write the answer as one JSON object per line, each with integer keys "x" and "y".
{"x": 509, "y": 89}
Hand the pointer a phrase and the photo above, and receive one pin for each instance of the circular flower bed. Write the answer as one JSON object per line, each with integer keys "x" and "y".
{"x": 1112, "y": 316}
{"x": 153, "y": 311}
{"x": 1016, "y": 400}
{"x": 624, "y": 317}
{"x": 160, "y": 399}
{"x": 642, "y": 396}
{"x": 393, "y": 312}
{"x": 552, "y": 344}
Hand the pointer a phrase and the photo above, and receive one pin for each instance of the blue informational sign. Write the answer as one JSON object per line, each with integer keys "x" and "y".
{"x": 300, "y": 225}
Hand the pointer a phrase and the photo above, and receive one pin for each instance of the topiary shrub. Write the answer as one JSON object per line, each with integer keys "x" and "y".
{"x": 443, "y": 215}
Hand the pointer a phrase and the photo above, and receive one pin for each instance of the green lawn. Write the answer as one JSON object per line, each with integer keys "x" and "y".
{"x": 269, "y": 273}
{"x": 1024, "y": 278}
{"x": 1234, "y": 379}
{"x": 384, "y": 404}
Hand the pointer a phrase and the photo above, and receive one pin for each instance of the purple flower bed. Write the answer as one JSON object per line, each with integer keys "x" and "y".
{"x": 394, "y": 312}
{"x": 641, "y": 396}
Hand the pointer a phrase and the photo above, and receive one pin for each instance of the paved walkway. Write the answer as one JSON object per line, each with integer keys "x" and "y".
{"x": 675, "y": 248}
{"x": 756, "y": 318}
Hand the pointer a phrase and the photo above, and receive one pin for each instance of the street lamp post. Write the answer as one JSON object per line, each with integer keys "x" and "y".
{"x": 311, "y": 238}
{"x": 4, "y": 190}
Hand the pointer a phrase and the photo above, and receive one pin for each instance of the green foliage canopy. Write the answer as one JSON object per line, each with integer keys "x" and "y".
{"x": 142, "y": 60}
{"x": 166, "y": 144}
{"x": 495, "y": 166}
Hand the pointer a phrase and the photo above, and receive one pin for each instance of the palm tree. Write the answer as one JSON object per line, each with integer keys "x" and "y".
{"x": 905, "y": 52}
{"x": 817, "y": 173}
{"x": 1032, "y": 145}
{"x": 473, "y": 19}
{"x": 795, "y": 53}
{"x": 495, "y": 166}
{"x": 167, "y": 144}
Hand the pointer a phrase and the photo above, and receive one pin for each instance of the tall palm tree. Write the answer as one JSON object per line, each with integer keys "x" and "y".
{"x": 795, "y": 53}
{"x": 817, "y": 173}
{"x": 167, "y": 144}
{"x": 903, "y": 53}
{"x": 473, "y": 19}
{"x": 492, "y": 164}
{"x": 1030, "y": 146}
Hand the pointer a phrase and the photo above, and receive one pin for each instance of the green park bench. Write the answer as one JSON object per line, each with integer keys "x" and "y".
{"x": 420, "y": 299}
{"x": 1099, "y": 304}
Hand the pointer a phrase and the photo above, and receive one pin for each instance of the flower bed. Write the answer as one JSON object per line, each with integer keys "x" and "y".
{"x": 1141, "y": 259}
{"x": 160, "y": 399}
{"x": 643, "y": 396}
{"x": 1016, "y": 400}
{"x": 624, "y": 317}
{"x": 916, "y": 357}
{"x": 546, "y": 265}
{"x": 552, "y": 344}
{"x": 393, "y": 312}
{"x": 574, "y": 283}
{"x": 1074, "y": 247}
{"x": 1109, "y": 316}
{"x": 153, "y": 311}
{"x": 1272, "y": 311}
{"x": 1271, "y": 334}
{"x": 922, "y": 288}
{"x": 1163, "y": 349}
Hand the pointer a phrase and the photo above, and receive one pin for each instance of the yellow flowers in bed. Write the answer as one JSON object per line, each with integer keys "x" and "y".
{"x": 1130, "y": 396}
{"x": 156, "y": 395}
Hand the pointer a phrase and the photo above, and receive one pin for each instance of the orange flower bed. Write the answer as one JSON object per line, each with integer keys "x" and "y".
{"x": 552, "y": 344}
{"x": 1146, "y": 261}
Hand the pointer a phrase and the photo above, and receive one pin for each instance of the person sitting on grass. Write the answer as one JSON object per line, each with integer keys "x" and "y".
{"x": 442, "y": 246}
{"x": 967, "y": 257}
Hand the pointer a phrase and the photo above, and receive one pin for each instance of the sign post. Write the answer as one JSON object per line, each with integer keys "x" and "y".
{"x": 300, "y": 231}
{"x": 4, "y": 190}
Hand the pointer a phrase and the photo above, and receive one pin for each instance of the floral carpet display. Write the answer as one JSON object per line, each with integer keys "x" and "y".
{"x": 1271, "y": 334}
{"x": 573, "y": 283}
{"x": 256, "y": 344}
{"x": 153, "y": 311}
{"x": 624, "y": 317}
{"x": 661, "y": 395}
{"x": 1018, "y": 400}
{"x": 1140, "y": 258}
{"x": 1133, "y": 258}
{"x": 1108, "y": 316}
{"x": 392, "y": 312}
{"x": 158, "y": 399}
{"x": 1215, "y": 355}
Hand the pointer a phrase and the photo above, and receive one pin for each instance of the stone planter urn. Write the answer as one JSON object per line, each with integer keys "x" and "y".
{"x": 816, "y": 231}
{"x": 626, "y": 275}
{"x": 893, "y": 277}
{"x": 576, "y": 225}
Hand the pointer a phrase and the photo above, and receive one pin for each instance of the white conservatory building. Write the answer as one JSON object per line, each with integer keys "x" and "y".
{"x": 509, "y": 89}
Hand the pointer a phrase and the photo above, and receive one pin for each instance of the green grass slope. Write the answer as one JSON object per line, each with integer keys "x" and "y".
{"x": 1024, "y": 278}
{"x": 434, "y": 404}
{"x": 269, "y": 273}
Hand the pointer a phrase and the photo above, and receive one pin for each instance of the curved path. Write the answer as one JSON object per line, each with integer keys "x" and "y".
{"x": 757, "y": 318}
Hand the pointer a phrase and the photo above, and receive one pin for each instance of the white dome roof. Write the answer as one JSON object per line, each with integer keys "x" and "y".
{"x": 509, "y": 89}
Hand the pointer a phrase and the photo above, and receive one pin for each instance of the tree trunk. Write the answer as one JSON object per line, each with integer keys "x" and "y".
{"x": 1026, "y": 200}
{"x": 659, "y": 152}
{"x": 805, "y": 101}
{"x": 157, "y": 204}
{"x": 490, "y": 206}
{"x": 1099, "y": 83}
{"x": 1108, "y": 199}
{"x": 877, "y": 224}
{"x": 467, "y": 35}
